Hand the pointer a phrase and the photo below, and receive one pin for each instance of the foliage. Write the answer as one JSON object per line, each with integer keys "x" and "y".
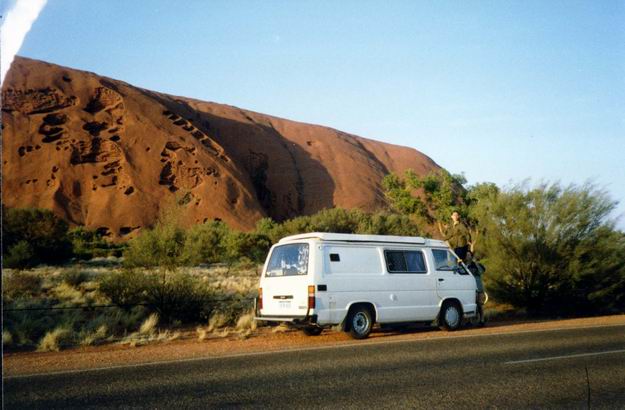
{"x": 341, "y": 220}
{"x": 74, "y": 277}
{"x": 212, "y": 290}
{"x": 20, "y": 283}
{"x": 551, "y": 249}
{"x": 20, "y": 256}
{"x": 124, "y": 288}
{"x": 31, "y": 236}
{"x": 173, "y": 294}
{"x": 205, "y": 243}
{"x": 431, "y": 198}
{"x": 88, "y": 244}
{"x": 162, "y": 246}
{"x": 239, "y": 245}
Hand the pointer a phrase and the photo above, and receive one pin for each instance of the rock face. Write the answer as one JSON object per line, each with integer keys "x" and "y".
{"x": 102, "y": 153}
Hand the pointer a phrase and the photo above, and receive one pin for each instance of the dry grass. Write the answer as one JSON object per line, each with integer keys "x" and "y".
{"x": 54, "y": 340}
{"x": 7, "y": 338}
{"x": 91, "y": 338}
{"x": 79, "y": 285}
{"x": 149, "y": 324}
{"x": 281, "y": 328}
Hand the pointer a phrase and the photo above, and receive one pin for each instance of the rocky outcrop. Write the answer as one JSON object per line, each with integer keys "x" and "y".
{"x": 105, "y": 154}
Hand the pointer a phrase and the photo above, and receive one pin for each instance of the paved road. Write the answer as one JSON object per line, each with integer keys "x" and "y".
{"x": 529, "y": 369}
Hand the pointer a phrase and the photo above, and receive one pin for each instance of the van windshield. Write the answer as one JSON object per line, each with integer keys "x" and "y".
{"x": 288, "y": 260}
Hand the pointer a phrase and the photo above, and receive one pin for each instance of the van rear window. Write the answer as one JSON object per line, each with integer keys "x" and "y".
{"x": 288, "y": 260}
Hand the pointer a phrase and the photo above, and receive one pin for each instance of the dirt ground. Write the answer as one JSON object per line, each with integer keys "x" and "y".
{"x": 263, "y": 340}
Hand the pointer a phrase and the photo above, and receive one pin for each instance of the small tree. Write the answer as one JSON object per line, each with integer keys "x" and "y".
{"x": 542, "y": 244}
{"x": 205, "y": 243}
{"x": 430, "y": 199}
{"x": 31, "y": 236}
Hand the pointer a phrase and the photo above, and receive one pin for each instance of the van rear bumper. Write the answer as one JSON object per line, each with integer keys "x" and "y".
{"x": 294, "y": 320}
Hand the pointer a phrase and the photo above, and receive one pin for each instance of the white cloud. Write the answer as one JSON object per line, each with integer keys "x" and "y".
{"x": 15, "y": 25}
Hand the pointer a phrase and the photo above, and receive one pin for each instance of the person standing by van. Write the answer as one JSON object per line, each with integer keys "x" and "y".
{"x": 457, "y": 235}
{"x": 477, "y": 270}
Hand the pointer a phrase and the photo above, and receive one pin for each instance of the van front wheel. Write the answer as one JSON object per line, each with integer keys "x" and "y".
{"x": 450, "y": 317}
{"x": 360, "y": 323}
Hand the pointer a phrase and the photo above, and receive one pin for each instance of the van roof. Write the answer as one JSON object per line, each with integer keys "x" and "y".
{"x": 346, "y": 237}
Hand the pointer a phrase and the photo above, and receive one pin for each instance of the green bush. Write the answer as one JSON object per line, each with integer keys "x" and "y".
{"x": 205, "y": 243}
{"x": 341, "y": 221}
{"x": 88, "y": 244}
{"x": 20, "y": 284}
{"x": 74, "y": 277}
{"x": 44, "y": 232}
{"x": 243, "y": 245}
{"x": 551, "y": 249}
{"x": 174, "y": 295}
{"x": 20, "y": 256}
{"x": 162, "y": 246}
{"x": 126, "y": 287}
{"x": 178, "y": 296}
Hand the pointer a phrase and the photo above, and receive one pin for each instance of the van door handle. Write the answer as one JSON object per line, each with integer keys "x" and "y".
{"x": 441, "y": 279}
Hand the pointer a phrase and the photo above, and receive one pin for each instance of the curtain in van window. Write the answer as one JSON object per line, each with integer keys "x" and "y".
{"x": 405, "y": 261}
{"x": 395, "y": 261}
{"x": 288, "y": 260}
{"x": 414, "y": 261}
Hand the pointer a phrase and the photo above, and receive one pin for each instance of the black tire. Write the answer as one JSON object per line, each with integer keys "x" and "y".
{"x": 360, "y": 322}
{"x": 312, "y": 330}
{"x": 450, "y": 317}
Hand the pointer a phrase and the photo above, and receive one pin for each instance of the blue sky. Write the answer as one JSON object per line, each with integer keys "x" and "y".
{"x": 502, "y": 91}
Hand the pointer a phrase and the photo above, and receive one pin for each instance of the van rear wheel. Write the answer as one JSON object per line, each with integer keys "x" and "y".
{"x": 450, "y": 317}
{"x": 312, "y": 330}
{"x": 360, "y": 323}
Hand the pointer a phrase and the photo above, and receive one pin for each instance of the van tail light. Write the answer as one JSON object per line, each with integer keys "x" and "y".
{"x": 311, "y": 297}
{"x": 259, "y": 303}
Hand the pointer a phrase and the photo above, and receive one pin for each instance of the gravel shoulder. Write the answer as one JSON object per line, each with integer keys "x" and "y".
{"x": 262, "y": 340}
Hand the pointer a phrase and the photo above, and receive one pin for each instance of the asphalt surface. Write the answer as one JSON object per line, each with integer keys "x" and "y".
{"x": 536, "y": 369}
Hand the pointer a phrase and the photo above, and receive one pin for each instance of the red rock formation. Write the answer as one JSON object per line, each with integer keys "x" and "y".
{"x": 102, "y": 153}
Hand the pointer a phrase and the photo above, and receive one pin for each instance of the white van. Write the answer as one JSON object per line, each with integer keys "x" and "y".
{"x": 317, "y": 280}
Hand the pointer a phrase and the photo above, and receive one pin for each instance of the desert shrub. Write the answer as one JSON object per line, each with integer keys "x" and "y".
{"x": 56, "y": 339}
{"x": 173, "y": 294}
{"x": 89, "y": 338}
{"x": 74, "y": 276}
{"x": 205, "y": 243}
{"x": 44, "y": 232}
{"x": 162, "y": 246}
{"x": 88, "y": 244}
{"x": 551, "y": 249}
{"x": 20, "y": 284}
{"x": 126, "y": 287}
{"x": 178, "y": 296}
{"x": 430, "y": 198}
{"x": 7, "y": 338}
{"x": 341, "y": 221}
{"x": 20, "y": 256}
{"x": 244, "y": 245}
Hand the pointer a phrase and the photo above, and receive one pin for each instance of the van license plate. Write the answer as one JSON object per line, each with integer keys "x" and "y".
{"x": 284, "y": 304}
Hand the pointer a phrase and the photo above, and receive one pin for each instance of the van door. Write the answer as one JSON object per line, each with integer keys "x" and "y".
{"x": 410, "y": 286}
{"x": 285, "y": 282}
{"x": 452, "y": 281}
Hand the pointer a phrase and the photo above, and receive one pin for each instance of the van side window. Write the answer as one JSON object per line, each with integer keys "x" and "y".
{"x": 444, "y": 260}
{"x": 335, "y": 257}
{"x": 405, "y": 262}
